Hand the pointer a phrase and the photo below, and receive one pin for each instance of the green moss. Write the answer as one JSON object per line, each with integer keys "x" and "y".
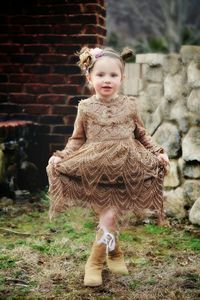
{"x": 6, "y": 261}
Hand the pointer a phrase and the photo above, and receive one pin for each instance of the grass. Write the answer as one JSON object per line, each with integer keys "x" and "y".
{"x": 45, "y": 260}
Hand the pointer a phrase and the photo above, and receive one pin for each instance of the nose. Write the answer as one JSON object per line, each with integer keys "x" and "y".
{"x": 106, "y": 80}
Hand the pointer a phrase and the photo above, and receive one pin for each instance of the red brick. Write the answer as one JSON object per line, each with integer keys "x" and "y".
{"x": 22, "y": 116}
{"x": 63, "y": 129}
{"x": 8, "y": 28}
{"x": 82, "y": 19}
{"x": 76, "y": 79}
{"x": 23, "y": 58}
{"x": 37, "y": 88}
{"x": 81, "y": 39}
{"x": 22, "y": 19}
{"x": 64, "y": 109}
{"x": 4, "y": 97}
{"x": 10, "y": 108}
{"x": 51, "y": 99}
{"x": 66, "y": 49}
{"x": 3, "y": 78}
{"x": 3, "y": 117}
{"x": 101, "y": 2}
{"x": 36, "y": 48}
{"x": 4, "y": 58}
{"x": 10, "y": 87}
{"x": 22, "y": 98}
{"x": 43, "y": 129}
{"x": 52, "y": 79}
{"x": 50, "y": 2}
{"x": 51, "y": 119}
{"x": 41, "y": 29}
{"x": 18, "y": 38}
{"x": 67, "y": 8}
{"x": 52, "y": 138}
{"x": 11, "y": 68}
{"x": 66, "y": 69}
{"x": 94, "y": 8}
{"x": 37, "y": 109}
{"x": 65, "y": 89}
{"x": 53, "y": 58}
{"x": 92, "y": 28}
{"x": 10, "y": 48}
{"x": 69, "y": 119}
{"x": 54, "y": 39}
{"x": 101, "y": 21}
{"x": 52, "y": 19}
{"x": 37, "y": 69}
{"x": 27, "y": 78}
{"x": 66, "y": 29}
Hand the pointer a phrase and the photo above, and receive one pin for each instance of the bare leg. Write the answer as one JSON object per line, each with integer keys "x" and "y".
{"x": 108, "y": 219}
{"x": 115, "y": 257}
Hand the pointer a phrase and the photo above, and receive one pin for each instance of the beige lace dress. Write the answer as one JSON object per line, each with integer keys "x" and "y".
{"x": 109, "y": 161}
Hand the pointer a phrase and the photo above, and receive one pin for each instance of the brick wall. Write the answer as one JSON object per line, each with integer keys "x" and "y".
{"x": 39, "y": 78}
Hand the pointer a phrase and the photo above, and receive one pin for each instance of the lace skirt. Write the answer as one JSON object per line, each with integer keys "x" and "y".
{"x": 118, "y": 174}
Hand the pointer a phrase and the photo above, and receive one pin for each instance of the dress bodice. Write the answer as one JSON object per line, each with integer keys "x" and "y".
{"x": 108, "y": 120}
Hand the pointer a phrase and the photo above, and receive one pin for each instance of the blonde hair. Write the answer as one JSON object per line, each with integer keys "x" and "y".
{"x": 88, "y": 56}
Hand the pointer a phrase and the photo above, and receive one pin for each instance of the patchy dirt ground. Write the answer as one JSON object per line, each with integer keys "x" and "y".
{"x": 43, "y": 260}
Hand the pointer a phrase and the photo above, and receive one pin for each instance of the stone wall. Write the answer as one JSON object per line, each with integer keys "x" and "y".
{"x": 168, "y": 90}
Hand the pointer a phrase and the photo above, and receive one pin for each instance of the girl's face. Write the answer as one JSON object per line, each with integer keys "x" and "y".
{"x": 106, "y": 77}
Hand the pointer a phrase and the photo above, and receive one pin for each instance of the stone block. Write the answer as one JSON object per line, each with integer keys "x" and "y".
{"x": 174, "y": 203}
{"x": 191, "y": 145}
{"x": 172, "y": 179}
{"x": 154, "y": 93}
{"x": 132, "y": 77}
{"x": 189, "y": 53}
{"x": 152, "y": 59}
{"x": 193, "y": 102}
{"x": 168, "y": 136}
{"x": 154, "y": 74}
{"x": 194, "y": 214}
{"x": 179, "y": 114}
{"x": 173, "y": 85}
{"x": 154, "y": 121}
{"x": 193, "y": 74}
{"x": 172, "y": 63}
{"x": 191, "y": 189}
{"x": 194, "y": 119}
{"x": 189, "y": 169}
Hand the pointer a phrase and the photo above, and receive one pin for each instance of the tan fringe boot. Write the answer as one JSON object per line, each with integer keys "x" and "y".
{"x": 95, "y": 262}
{"x": 115, "y": 259}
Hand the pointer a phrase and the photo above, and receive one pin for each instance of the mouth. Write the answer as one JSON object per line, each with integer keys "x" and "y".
{"x": 107, "y": 87}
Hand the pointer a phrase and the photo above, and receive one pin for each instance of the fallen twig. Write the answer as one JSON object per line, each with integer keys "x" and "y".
{"x": 17, "y": 281}
{"x": 21, "y": 233}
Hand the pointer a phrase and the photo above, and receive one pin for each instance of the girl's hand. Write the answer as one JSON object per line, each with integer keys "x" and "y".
{"x": 54, "y": 160}
{"x": 163, "y": 158}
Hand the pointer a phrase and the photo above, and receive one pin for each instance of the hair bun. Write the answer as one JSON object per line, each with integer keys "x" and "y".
{"x": 127, "y": 53}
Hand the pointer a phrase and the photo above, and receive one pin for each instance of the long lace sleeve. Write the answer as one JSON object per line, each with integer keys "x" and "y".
{"x": 78, "y": 137}
{"x": 142, "y": 135}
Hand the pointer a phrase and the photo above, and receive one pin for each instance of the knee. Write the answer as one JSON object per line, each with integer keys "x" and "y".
{"x": 108, "y": 218}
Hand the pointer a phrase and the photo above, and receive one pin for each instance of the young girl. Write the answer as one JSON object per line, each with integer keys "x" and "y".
{"x": 110, "y": 163}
